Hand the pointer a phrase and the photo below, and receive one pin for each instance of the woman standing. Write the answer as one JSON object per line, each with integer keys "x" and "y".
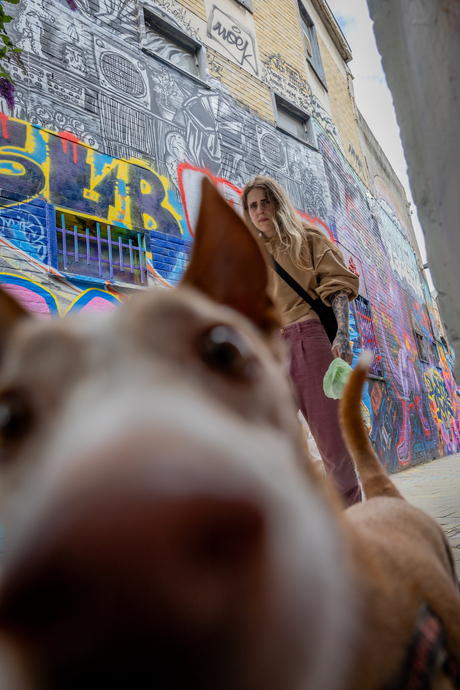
{"x": 317, "y": 265}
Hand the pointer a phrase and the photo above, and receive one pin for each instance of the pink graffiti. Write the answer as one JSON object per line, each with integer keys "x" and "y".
{"x": 34, "y": 303}
{"x": 98, "y": 305}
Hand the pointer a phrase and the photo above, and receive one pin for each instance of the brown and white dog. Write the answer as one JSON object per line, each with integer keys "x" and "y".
{"x": 163, "y": 527}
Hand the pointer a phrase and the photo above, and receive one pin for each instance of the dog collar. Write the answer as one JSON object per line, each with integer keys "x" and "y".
{"x": 427, "y": 653}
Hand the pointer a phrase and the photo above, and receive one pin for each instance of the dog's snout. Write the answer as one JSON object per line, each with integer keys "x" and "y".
{"x": 132, "y": 583}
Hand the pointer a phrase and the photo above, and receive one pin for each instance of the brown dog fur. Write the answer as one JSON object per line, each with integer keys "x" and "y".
{"x": 400, "y": 556}
{"x": 162, "y": 519}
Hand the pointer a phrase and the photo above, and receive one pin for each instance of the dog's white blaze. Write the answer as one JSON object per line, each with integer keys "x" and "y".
{"x": 257, "y": 462}
{"x": 113, "y": 428}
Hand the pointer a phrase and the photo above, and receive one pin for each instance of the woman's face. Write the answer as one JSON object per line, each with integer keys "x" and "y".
{"x": 261, "y": 212}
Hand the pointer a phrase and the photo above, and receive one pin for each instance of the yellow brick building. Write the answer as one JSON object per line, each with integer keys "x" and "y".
{"x": 286, "y": 49}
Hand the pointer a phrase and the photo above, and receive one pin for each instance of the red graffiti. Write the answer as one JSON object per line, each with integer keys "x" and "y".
{"x": 352, "y": 266}
{"x": 228, "y": 190}
{"x": 4, "y": 118}
{"x": 318, "y": 222}
{"x": 69, "y": 136}
{"x": 231, "y": 192}
{"x": 376, "y": 398}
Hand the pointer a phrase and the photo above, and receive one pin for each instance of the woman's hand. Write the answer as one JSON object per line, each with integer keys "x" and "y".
{"x": 341, "y": 347}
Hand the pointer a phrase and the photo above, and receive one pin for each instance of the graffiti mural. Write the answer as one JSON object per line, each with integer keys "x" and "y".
{"x": 405, "y": 425}
{"x": 104, "y": 155}
{"x": 41, "y": 302}
{"x": 36, "y": 298}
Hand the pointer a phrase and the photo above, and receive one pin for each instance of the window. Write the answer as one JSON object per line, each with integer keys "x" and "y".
{"x": 435, "y": 353}
{"x": 420, "y": 342}
{"x": 445, "y": 346}
{"x": 311, "y": 45}
{"x": 367, "y": 332}
{"x": 246, "y": 3}
{"x": 292, "y": 124}
{"x": 167, "y": 41}
{"x": 171, "y": 51}
{"x": 86, "y": 247}
{"x": 293, "y": 120}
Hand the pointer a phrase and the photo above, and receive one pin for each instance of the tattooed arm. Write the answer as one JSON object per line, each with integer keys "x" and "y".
{"x": 341, "y": 346}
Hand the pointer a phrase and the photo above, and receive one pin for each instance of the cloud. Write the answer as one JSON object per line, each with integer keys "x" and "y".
{"x": 346, "y": 21}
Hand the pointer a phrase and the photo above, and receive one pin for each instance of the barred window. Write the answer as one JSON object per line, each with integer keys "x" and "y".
{"x": 89, "y": 248}
{"x": 367, "y": 332}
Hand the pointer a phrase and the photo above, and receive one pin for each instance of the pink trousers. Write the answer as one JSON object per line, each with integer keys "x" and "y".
{"x": 310, "y": 355}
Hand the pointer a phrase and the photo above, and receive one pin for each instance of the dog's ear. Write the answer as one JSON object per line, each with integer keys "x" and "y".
{"x": 11, "y": 312}
{"x": 227, "y": 263}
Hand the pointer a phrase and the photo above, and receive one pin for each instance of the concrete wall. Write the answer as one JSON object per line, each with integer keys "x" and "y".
{"x": 106, "y": 133}
{"x": 420, "y": 47}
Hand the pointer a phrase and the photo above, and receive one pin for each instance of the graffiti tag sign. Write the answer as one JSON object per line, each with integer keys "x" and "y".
{"x": 236, "y": 41}
{"x": 440, "y": 399}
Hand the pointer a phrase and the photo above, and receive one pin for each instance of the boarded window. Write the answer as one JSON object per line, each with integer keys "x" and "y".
{"x": 292, "y": 124}
{"x": 290, "y": 118}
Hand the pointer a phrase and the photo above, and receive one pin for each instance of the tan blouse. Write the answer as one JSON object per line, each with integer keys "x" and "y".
{"x": 323, "y": 274}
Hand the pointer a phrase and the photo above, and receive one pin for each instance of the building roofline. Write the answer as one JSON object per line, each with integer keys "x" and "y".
{"x": 334, "y": 29}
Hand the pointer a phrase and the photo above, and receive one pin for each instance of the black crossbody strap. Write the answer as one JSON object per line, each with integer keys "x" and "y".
{"x": 294, "y": 284}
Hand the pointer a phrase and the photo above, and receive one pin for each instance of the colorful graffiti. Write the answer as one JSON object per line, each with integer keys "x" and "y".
{"x": 43, "y": 303}
{"x": 51, "y": 171}
{"x": 405, "y": 425}
{"x": 36, "y": 298}
{"x": 127, "y": 148}
{"x": 70, "y": 175}
{"x": 442, "y": 406}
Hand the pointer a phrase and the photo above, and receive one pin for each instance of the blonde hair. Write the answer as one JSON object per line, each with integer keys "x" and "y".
{"x": 291, "y": 230}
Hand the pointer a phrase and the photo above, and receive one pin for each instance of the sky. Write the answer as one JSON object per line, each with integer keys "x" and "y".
{"x": 373, "y": 96}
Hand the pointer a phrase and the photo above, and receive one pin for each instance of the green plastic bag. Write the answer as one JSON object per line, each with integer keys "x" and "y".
{"x": 335, "y": 378}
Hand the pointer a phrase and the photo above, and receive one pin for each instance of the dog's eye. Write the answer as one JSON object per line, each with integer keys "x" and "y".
{"x": 15, "y": 418}
{"x": 225, "y": 350}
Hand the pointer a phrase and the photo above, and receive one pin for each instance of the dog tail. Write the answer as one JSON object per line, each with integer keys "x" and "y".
{"x": 374, "y": 478}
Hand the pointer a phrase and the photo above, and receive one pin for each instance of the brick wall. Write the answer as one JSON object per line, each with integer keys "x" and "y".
{"x": 343, "y": 113}
{"x": 117, "y": 140}
{"x": 248, "y": 92}
{"x": 278, "y": 30}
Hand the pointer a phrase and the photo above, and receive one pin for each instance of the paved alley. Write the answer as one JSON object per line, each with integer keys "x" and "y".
{"x": 435, "y": 487}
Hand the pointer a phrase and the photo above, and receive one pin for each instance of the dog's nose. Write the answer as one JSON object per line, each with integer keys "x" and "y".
{"x": 131, "y": 587}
